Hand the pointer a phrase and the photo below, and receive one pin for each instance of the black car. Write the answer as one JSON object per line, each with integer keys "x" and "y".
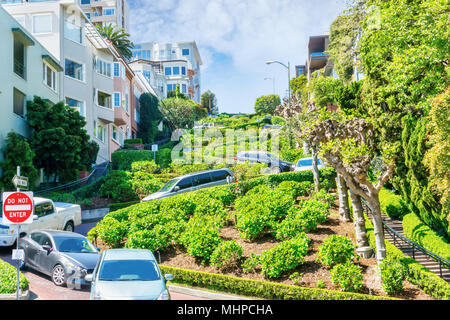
{"x": 272, "y": 161}
{"x": 65, "y": 256}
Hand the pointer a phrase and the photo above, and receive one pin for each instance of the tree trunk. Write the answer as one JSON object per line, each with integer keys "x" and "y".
{"x": 305, "y": 148}
{"x": 315, "y": 170}
{"x": 362, "y": 242}
{"x": 378, "y": 227}
{"x": 344, "y": 209}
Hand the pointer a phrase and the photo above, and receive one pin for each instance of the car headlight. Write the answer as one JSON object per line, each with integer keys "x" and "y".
{"x": 5, "y": 231}
{"x": 164, "y": 295}
{"x": 75, "y": 267}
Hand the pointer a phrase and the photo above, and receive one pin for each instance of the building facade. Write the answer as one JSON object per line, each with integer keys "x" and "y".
{"x": 178, "y": 62}
{"x": 102, "y": 12}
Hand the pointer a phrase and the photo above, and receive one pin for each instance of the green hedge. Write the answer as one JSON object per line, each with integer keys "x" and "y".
{"x": 417, "y": 274}
{"x": 122, "y": 160}
{"x": 118, "y": 206}
{"x": 420, "y": 233}
{"x": 133, "y": 141}
{"x": 8, "y": 279}
{"x": 392, "y": 204}
{"x": 259, "y": 289}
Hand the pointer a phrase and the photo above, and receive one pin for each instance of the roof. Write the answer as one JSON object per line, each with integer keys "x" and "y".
{"x": 128, "y": 254}
{"x": 62, "y": 233}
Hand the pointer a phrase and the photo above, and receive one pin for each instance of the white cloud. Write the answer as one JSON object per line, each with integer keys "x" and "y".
{"x": 250, "y": 32}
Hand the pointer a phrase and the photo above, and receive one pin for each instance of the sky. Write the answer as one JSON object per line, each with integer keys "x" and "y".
{"x": 235, "y": 39}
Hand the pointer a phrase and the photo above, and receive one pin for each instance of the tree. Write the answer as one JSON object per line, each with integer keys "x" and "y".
{"x": 150, "y": 116}
{"x": 58, "y": 138}
{"x": 176, "y": 93}
{"x": 119, "y": 38}
{"x": 209, "y": 101}
{"x": 299, "y": 87}
{"x": 181, "y": 113}
{"x": 267, "y": 104}
{"x": 17, "y": 152}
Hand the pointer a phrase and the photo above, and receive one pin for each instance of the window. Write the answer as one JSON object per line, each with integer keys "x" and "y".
{"x": 168, "y": 71}
{"x": 116, "y": 69}
{"x": 78, "y": 105}
{"x": 103, "y": 67}
{"x": 73, "y": 32}
{"x": 42, "y": 23}
{"x": 99, "y": 131}
{"x": 176, "y": 70}
{"x": 44, "y": 209}
{"x": 202, "y": 179}
{"x": 49, "y": 76}
{"x": 147, "y": 74}
{"x": 171, "y": 87}
{"x": 116, "y": 99}
{"x": 184, "y": 89}
{"x": 104, "y": 99}
{"x": 88, "y": 15}
{"x": 126, "y": 98}
{"x": 74, "y": 70}
{"x": 183, "y": 71}
{"x": 185, "y": 183}
{"x": 109, "y": 11}
{"x": 85, "y": 1}
{"x": 19, "y": 58}
{"x": 220, "y": 175}
{"x": 185, "y": 52}
{"x": 114, "y": 133}
{"x": 19, "y": 103}
{"x": 161, "y": 54}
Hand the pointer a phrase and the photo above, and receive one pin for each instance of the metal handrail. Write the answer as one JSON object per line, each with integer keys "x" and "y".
{"x": 442, "y": 261}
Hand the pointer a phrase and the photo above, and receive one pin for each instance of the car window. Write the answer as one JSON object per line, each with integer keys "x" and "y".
{"x": 129, "y": 270}
{"x": 45, "y": 240}
{"x": 36, "y": 237}
{"x": 203, "y": 178}
{"x": 304, "y": 163}
{"x": 74, "y": 245}
{"x": 220, "y": 175}
{"x": 44, "y": 209}
{"x": 185, "y": 183}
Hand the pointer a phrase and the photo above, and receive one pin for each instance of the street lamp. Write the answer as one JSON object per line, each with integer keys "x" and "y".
{"x": 288, "y": 67}
{"x": 273, "y": 80}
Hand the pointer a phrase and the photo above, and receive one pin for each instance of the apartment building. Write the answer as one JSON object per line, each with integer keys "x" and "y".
{"x": 317, "y": 57}
{"x": 178, "y": 62}
{"x": 101, "y": 12}
{"x": 87, "y": 82}
{"x": 152, "y": 71}
{"x": 27, "y": 69}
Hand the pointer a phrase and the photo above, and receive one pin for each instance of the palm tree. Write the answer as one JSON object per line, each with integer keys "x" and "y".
{"x": 118, "y": 37}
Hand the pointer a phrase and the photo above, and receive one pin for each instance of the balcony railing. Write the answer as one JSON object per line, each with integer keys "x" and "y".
{"x": 19, "y": 68}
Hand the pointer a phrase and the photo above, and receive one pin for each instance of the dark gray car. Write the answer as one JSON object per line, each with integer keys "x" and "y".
{"x": 65, "y": 256}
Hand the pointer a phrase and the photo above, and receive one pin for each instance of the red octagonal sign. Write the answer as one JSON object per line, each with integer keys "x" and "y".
{"x": 17, "y": 207}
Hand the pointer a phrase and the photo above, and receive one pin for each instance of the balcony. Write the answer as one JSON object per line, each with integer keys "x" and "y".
{"x": 121, "y": 118}
{"x": 318, "y": 60}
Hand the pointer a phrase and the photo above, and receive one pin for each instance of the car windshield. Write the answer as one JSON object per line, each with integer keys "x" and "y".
{"x": 129, "y": 270}
{"x": 74, "y": 245}
{"x": 169, "y": 185}
{"x": 307, "y": 162}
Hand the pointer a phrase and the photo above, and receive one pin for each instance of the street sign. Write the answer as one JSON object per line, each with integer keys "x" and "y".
{"x": 20, "y": 182}
{"x": 18, "y": 254}
{"x": 17, "y": 208}
{"x": 154, "y": 147}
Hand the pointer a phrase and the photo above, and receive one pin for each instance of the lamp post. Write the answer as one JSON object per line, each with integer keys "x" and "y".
{"x": 288, "y": 67}
{"x": 273, "y": 83}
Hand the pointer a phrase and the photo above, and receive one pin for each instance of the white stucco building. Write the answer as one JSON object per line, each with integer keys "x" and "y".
{"x": 107, "y": 11}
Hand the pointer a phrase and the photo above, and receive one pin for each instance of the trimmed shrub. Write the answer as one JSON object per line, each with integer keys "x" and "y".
{"x": 297, "y": 189}
{"x": 325, "y": 197}
{"x": 122, "y": 160}
{"x": 348, "y": 276}
{"x": 118, "y": 187}
{"x": 336, "y": 250}
{"x": 420, "y": 233}
{"x": 145, "y": 166}
{"x": 111, "y": 231}
{"x": 117, "y": 206}
{"x": 227, "y": 255}
{"x": 392, "y": 274}
{"x": 8, "y": 279}
{"x": 133, "y": 141}
{"x": 392, "y": 204}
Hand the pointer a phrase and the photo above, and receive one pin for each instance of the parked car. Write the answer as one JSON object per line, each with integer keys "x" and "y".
{"x": 306, "y": 164}
{"x": 271, "y": 160}
{"x": 47, "y": 215}
{"x": 192, "y": 182}
{"x": 65, "y": 256}
{"x": 128, "y": 274}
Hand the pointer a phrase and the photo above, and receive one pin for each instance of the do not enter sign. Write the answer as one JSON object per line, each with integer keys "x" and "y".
{"x": 17, "y": 208}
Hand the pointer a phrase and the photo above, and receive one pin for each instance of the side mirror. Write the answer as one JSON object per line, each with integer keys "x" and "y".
{"x": 176, "y": 189}
{"x": 47, "y": 248}
{"x": 89, "y": 277}
{"x": 229, "y": 179}
{"x": 169, "y": 277}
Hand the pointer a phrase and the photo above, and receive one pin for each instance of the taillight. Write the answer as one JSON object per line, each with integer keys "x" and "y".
{"x": 236, "y": 180}
{"x": 235, "y": 158}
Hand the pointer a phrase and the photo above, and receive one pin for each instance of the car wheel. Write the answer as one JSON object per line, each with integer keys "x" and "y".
{"x": 69, "y": 227}
{"x": 276, "y": 170}
{"x": 59, "y": 275}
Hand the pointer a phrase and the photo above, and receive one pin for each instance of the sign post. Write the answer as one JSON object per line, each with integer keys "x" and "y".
{"x": 17, "y": 210}
{"x": 154, "y": 149}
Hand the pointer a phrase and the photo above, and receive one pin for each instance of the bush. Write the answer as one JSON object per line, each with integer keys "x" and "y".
{"x": 149, "y": 167}
{"x": 144, "y": 184}
{"x": 152, "y": 240}
{"x": 325, "y": 197}
{"x": 227, "y": 255}
{"x": 182, "y": 169}
{"x": 297, "y": 189}
{"x": 110, "y": 231}
{"x": 246, "y": 170}
{"x": 392, "y": 204}
{"x": 118, "y": 187}
{"x": 8, "y": 279}
{"x": 286, "y": 256}
{"x": 392, "y": 274}
{"x": 122, "y": 160}
{"x": 164, "y": 157}
{"x": 133, "y": 141}
{"x": 348, "y": 276}
{"x": 420, "y": 233}
{"x": 336, "y": 250}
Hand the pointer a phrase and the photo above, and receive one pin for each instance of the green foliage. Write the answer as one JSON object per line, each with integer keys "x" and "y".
{"x": 246, "y": 170}
{"x": 259, "y": 289}
{"x": 181, "y": 113}
{"x": 325, "y": 197}
{"x": 182, "y": 169}
{"x": 392, "y": 204}
{"x": 267, "y": 104}
{"x": 227, "y": 255}
{"x": 299, "y": 87}
{"x": 275, "y": 120}
{"x": 8, "y": 279}
{"x": 209, "y": 100}
{"x": 297, "y": 189}
{"x": 134, "y": 141}
{"x": 324, "y": 90}
{"x": 150, "y": 116}
{"x": 149, "y": 167}
{"x": 123, "y": 160}
{"x": 118, "y": 187}
{"x": 320, "y": 284}
{"x": 423, "y": 235}
{"x": 392, "y": 274}
{"x": 111, "y": 231}
{"x": 285, "y": 256}
{"x": 336, "y": 250}
{"x": 348, "y": 98}
{"x": 348, "y": 276}
{"x": 119, "y": 37}
{"x": 17, "y": 152}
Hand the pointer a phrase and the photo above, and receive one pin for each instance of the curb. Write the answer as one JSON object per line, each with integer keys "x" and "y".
{"x": 23, "y": 295}
{"x": 204, "y": 294}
